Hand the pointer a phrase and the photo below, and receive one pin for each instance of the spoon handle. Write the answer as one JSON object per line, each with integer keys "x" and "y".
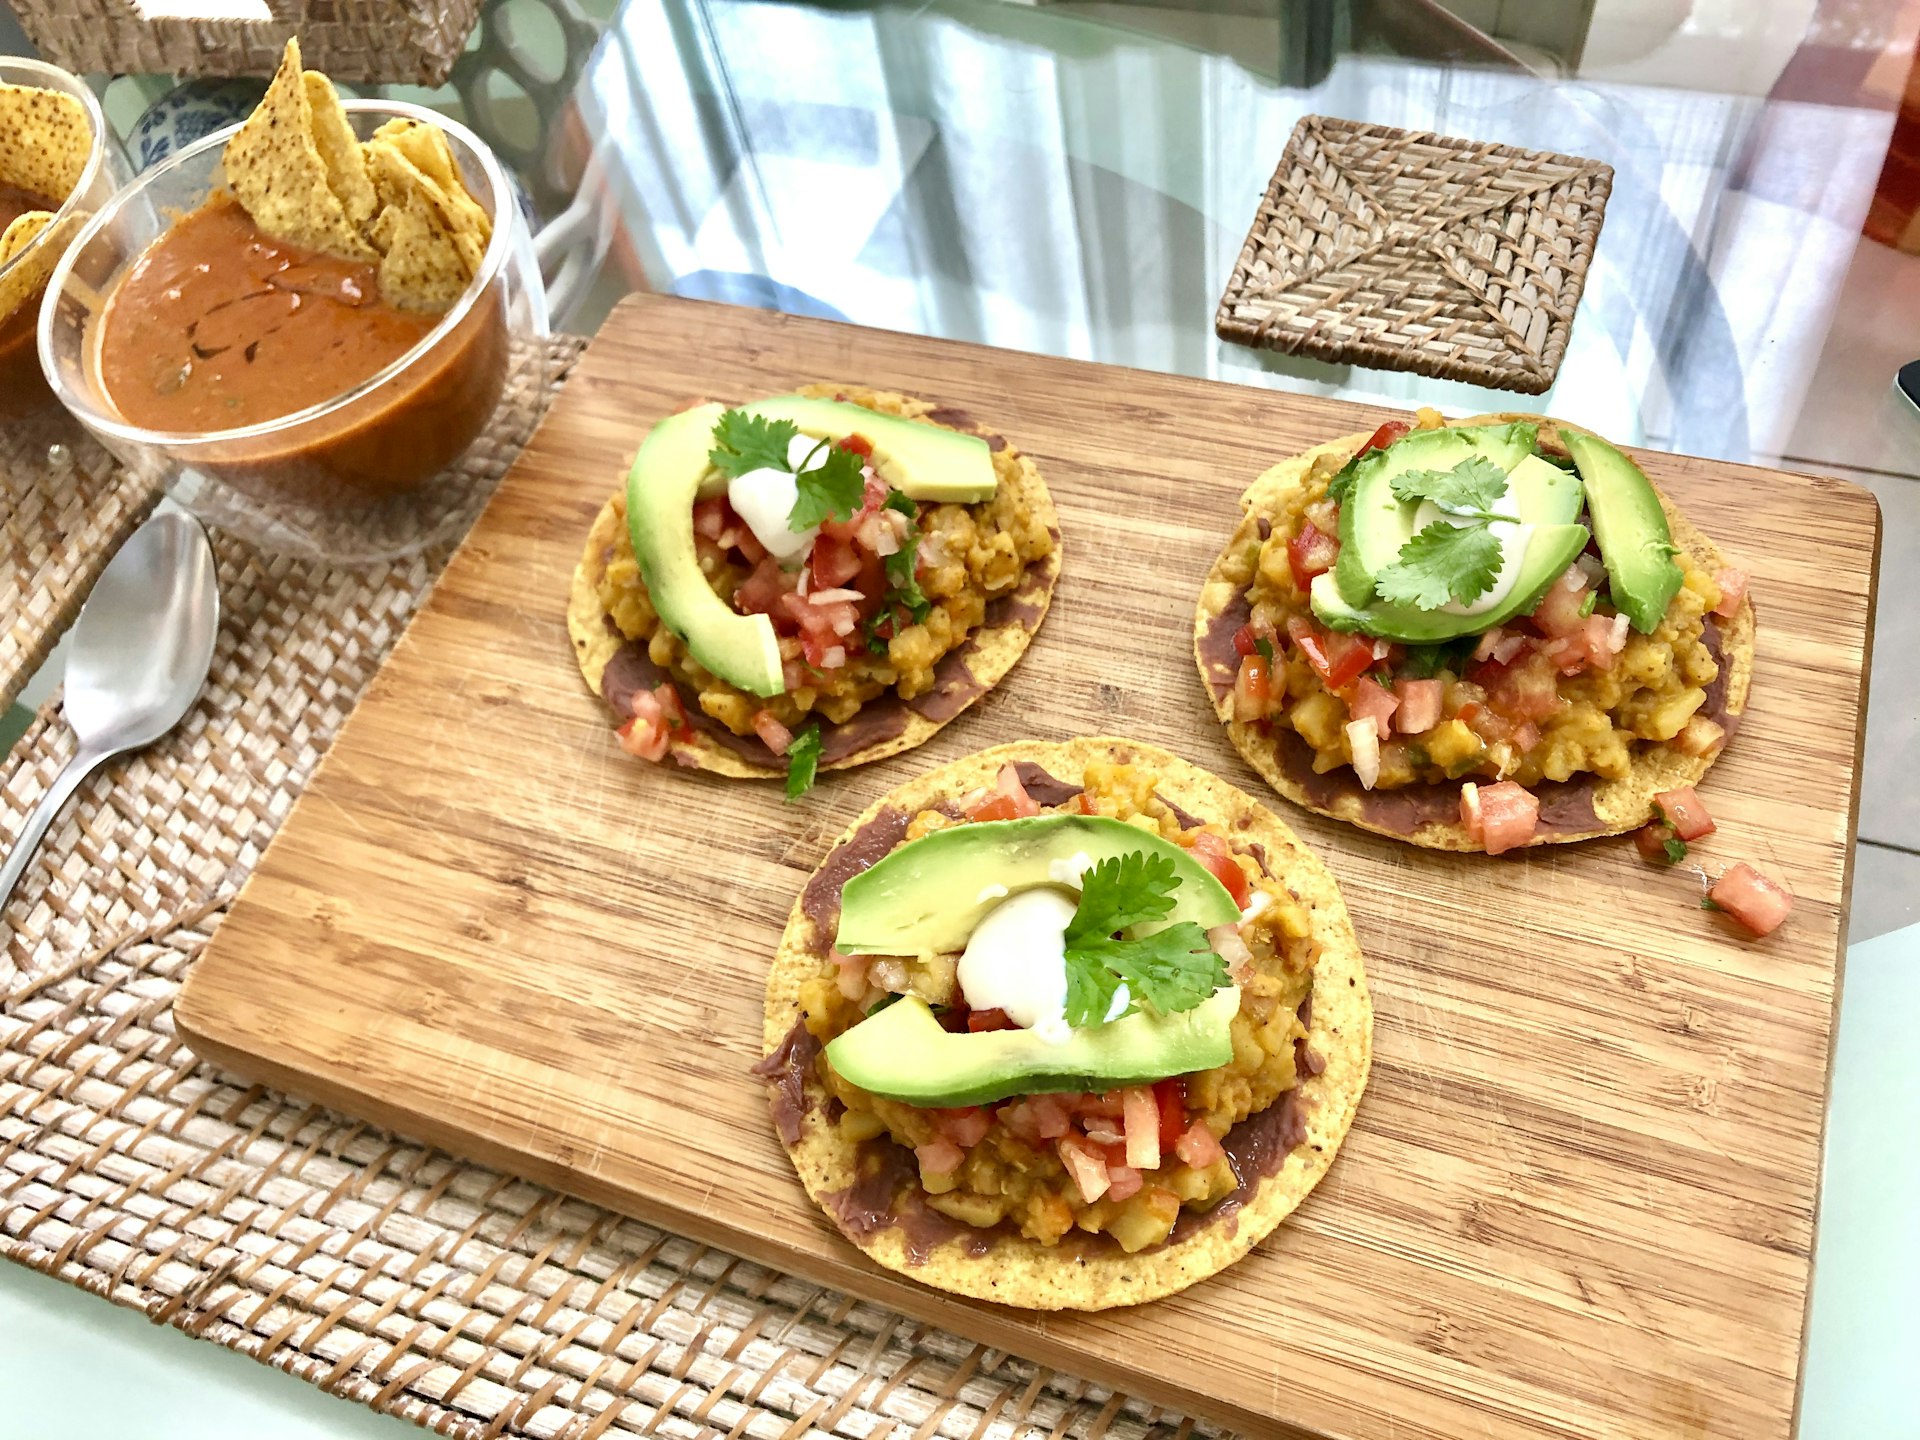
{"x": 78, "y": 768}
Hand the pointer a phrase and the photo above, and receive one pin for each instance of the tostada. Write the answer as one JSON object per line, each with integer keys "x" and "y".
{"x": 1065, "y": 1026}
{"x": 1476, "y": 635}
{"x": 810, "y": 582}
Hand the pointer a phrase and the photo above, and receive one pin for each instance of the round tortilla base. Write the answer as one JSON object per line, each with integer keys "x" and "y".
{"x": 996, "y": 648}
{"x": 1092, "y": 1272}
{"x": 1619, "y": 805}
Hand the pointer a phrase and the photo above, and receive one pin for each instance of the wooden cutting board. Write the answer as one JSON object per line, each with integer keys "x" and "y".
{"x": 1579, "y": 1199}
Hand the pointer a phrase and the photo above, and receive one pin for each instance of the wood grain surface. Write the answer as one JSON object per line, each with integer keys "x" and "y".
{"x": 1579, "y": 1198}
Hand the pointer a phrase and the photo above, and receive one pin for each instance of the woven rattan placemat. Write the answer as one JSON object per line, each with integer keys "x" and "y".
{"x": 1403, "y": 250}
{"x": 450, "y": 1294}
{"x": 64, "y": 509}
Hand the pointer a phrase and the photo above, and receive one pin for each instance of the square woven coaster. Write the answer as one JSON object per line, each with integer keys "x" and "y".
{"x": 1403, "y": 250}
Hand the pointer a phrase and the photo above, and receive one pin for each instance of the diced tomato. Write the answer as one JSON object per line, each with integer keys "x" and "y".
{"x": 1009, "y": 800}
{"x": 1213, "y": 852}
{"x": 1170, "y": 1098}
{"x": 965, "y": 1127}
{"x": 1732, "y": 585}
{"x": 1140, "y": 1115}
{"x": 1123, "y": 1182}
{"x": 1370, "y": 700}
{"x": 834, "y": 562}
{"x": 1086, "y": 1167}
{"x": 1529, "y": 690}
{"x": 761, "y": 591}
{"x": 1509, "y": 814}
{"x": 1252, "y": 689}
{"x": 1337, "y": 659}
{"x": 1421, "y": 704}
{"x": 1386, "y": 435}
{"x": 1751, "y": 898}
{"x": 712, "y": 516}
{"x": 1052, "y": 1114}
{"x": 772, "y": 733}
{"x": 1311, "y": 552}
{"x": 1558, "y": 612}
{"x": 939, "y": 1156}
{"x": 748, "y": 544}
{"x": 1653, "y": 839}
{"x": 1198, "y": 1146}
{"x": 1470, "y": 812}
{"x": 1525, "y": 736}
{"x": 1685, "y": 811}
{"x": 982, "y": 1020}
{"x": 859, "y": 445}
{"x": 1245, "y": 642}
{"x": 1700, "y": 736}
{"x": 671, "y": 705}
{"x": 645, "y": 735}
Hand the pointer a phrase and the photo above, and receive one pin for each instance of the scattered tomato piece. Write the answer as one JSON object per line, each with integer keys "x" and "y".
{"x": 772, "y": 733}
{"x": 645, "y": 735}
{"x": 1700, "y": 736}
{"x": 1509, "y": 815}
{"x": 1252, "y": 688}
{"x": 1421, "y": 705}
{"x": 1683, "y": 810}
{"x": 1751, "y": 898}
{"x": 1214, "y": 853}
{"x": 1732, "y": 585}
{"x": 1170, "y": 1097}
{"x": 1086, "y": 1167}
{"x": 1199, "y": 1147}
{"x": 1386, "y": 435}
{"x": 1311, "y": 552}
{"x": 983, "y": 1020}
{"x": 1659, "y": 845}
{"x": 939, "y": 1156}
{"x": 1141, "y": 1116}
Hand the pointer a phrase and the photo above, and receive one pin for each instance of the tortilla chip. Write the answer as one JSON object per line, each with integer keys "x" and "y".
{"x": 1087, "y": 1272}
{"x": 993, "y": 648}
{"x": 1618, "y": 805}
{"x": 20, "y": 283}
{"x": 426, "y": 148}
{"x": 430, "y": 255}
{"x": 339, "y": 149}
{"x": 44, "y": 141}
{"x": 275, "y": 165}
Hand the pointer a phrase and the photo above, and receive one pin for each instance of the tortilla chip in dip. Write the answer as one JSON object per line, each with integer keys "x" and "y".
{"x": 24, "y": 281}
{"x": 854, "y": 645}
{"x": 430, "y": 247}
{"x": 295, "y": 189}
{"x": 1606, "y": 662}
{"x": 1018, "y": 1159}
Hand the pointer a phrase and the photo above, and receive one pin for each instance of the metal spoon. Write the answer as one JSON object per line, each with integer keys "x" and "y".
{"x": 140, "y": 654}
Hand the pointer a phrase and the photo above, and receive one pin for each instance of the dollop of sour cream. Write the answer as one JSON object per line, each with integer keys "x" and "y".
{"x": 764, "y": 498}
{"x": 1016, "y": 961}
{"x": 1514, "y": 539}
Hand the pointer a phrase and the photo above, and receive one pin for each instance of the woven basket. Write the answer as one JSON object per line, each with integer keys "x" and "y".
{"x": 1402, "y": 250}
{"x": 458, "y": 1297}
{"x": 398, "y": 42}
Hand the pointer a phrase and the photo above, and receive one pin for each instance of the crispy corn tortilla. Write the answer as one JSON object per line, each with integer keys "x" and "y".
{"x": 1618, "y": 805}
{"x": 1086, "y": 1272}
{"x": 396, "y": 200}
{"x": 991, "y": 650}
{"x": 45, "y": 140}
{"x": 277, "y": 165}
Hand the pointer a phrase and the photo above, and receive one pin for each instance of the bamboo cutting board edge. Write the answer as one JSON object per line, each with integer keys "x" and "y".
{"x": 845, "y": 1267}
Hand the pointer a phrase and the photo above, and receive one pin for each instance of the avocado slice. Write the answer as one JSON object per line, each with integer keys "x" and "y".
{"x": 1636, "y": 544}
{"x": 1375, "y": 523}
{"x": 923, "y": 462}
{"x": 661, "y": 486}
{"x": 1540, "y": 493}
{"x": 1551, "y": 549}
{"x": 902, "y": 1053}
{"x": 927, "y": 897}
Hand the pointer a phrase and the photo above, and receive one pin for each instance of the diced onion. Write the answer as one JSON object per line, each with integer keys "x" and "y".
{"x": 1591, "y": 567}
{"x": 834, "y": 597}
{"x": 833, "y": 657}
{"x": 1227, "y": 944}
{"x": 1617, "y": 636}
{"x": 1363, "y": 741}
{"x": 1509, "y": 646}
{"x": 1489, "y": 642}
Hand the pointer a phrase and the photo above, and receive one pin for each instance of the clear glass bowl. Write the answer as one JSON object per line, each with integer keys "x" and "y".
{"x": 23, "y": 389}
{"x": 376, "y": 471}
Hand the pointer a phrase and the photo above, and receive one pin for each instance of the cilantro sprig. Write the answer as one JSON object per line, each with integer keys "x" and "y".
{"x": 1457, "y": 558}
{"x": 1171, "y": 970}
{"x": 832, "y": 489}
{"x": 803, "y": 761}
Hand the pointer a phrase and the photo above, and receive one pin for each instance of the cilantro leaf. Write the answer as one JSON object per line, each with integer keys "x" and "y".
{"x": 1586, "y": 605}
{"x": 1169, "y": 971}
{"x": 1423, "y": 662}
{"x": 803, "y": 760}
{"x": 1472, "y": 485}
{"x": 831, "y": 490}
{"x": 1265, "y": 647}
{"x": 1675, "y": 848}
{"x": 1341, "y": 485}
{"x": 904, "y": 503}
{"x": 1443, "y": 562}
{"x": 743, "y": 442}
